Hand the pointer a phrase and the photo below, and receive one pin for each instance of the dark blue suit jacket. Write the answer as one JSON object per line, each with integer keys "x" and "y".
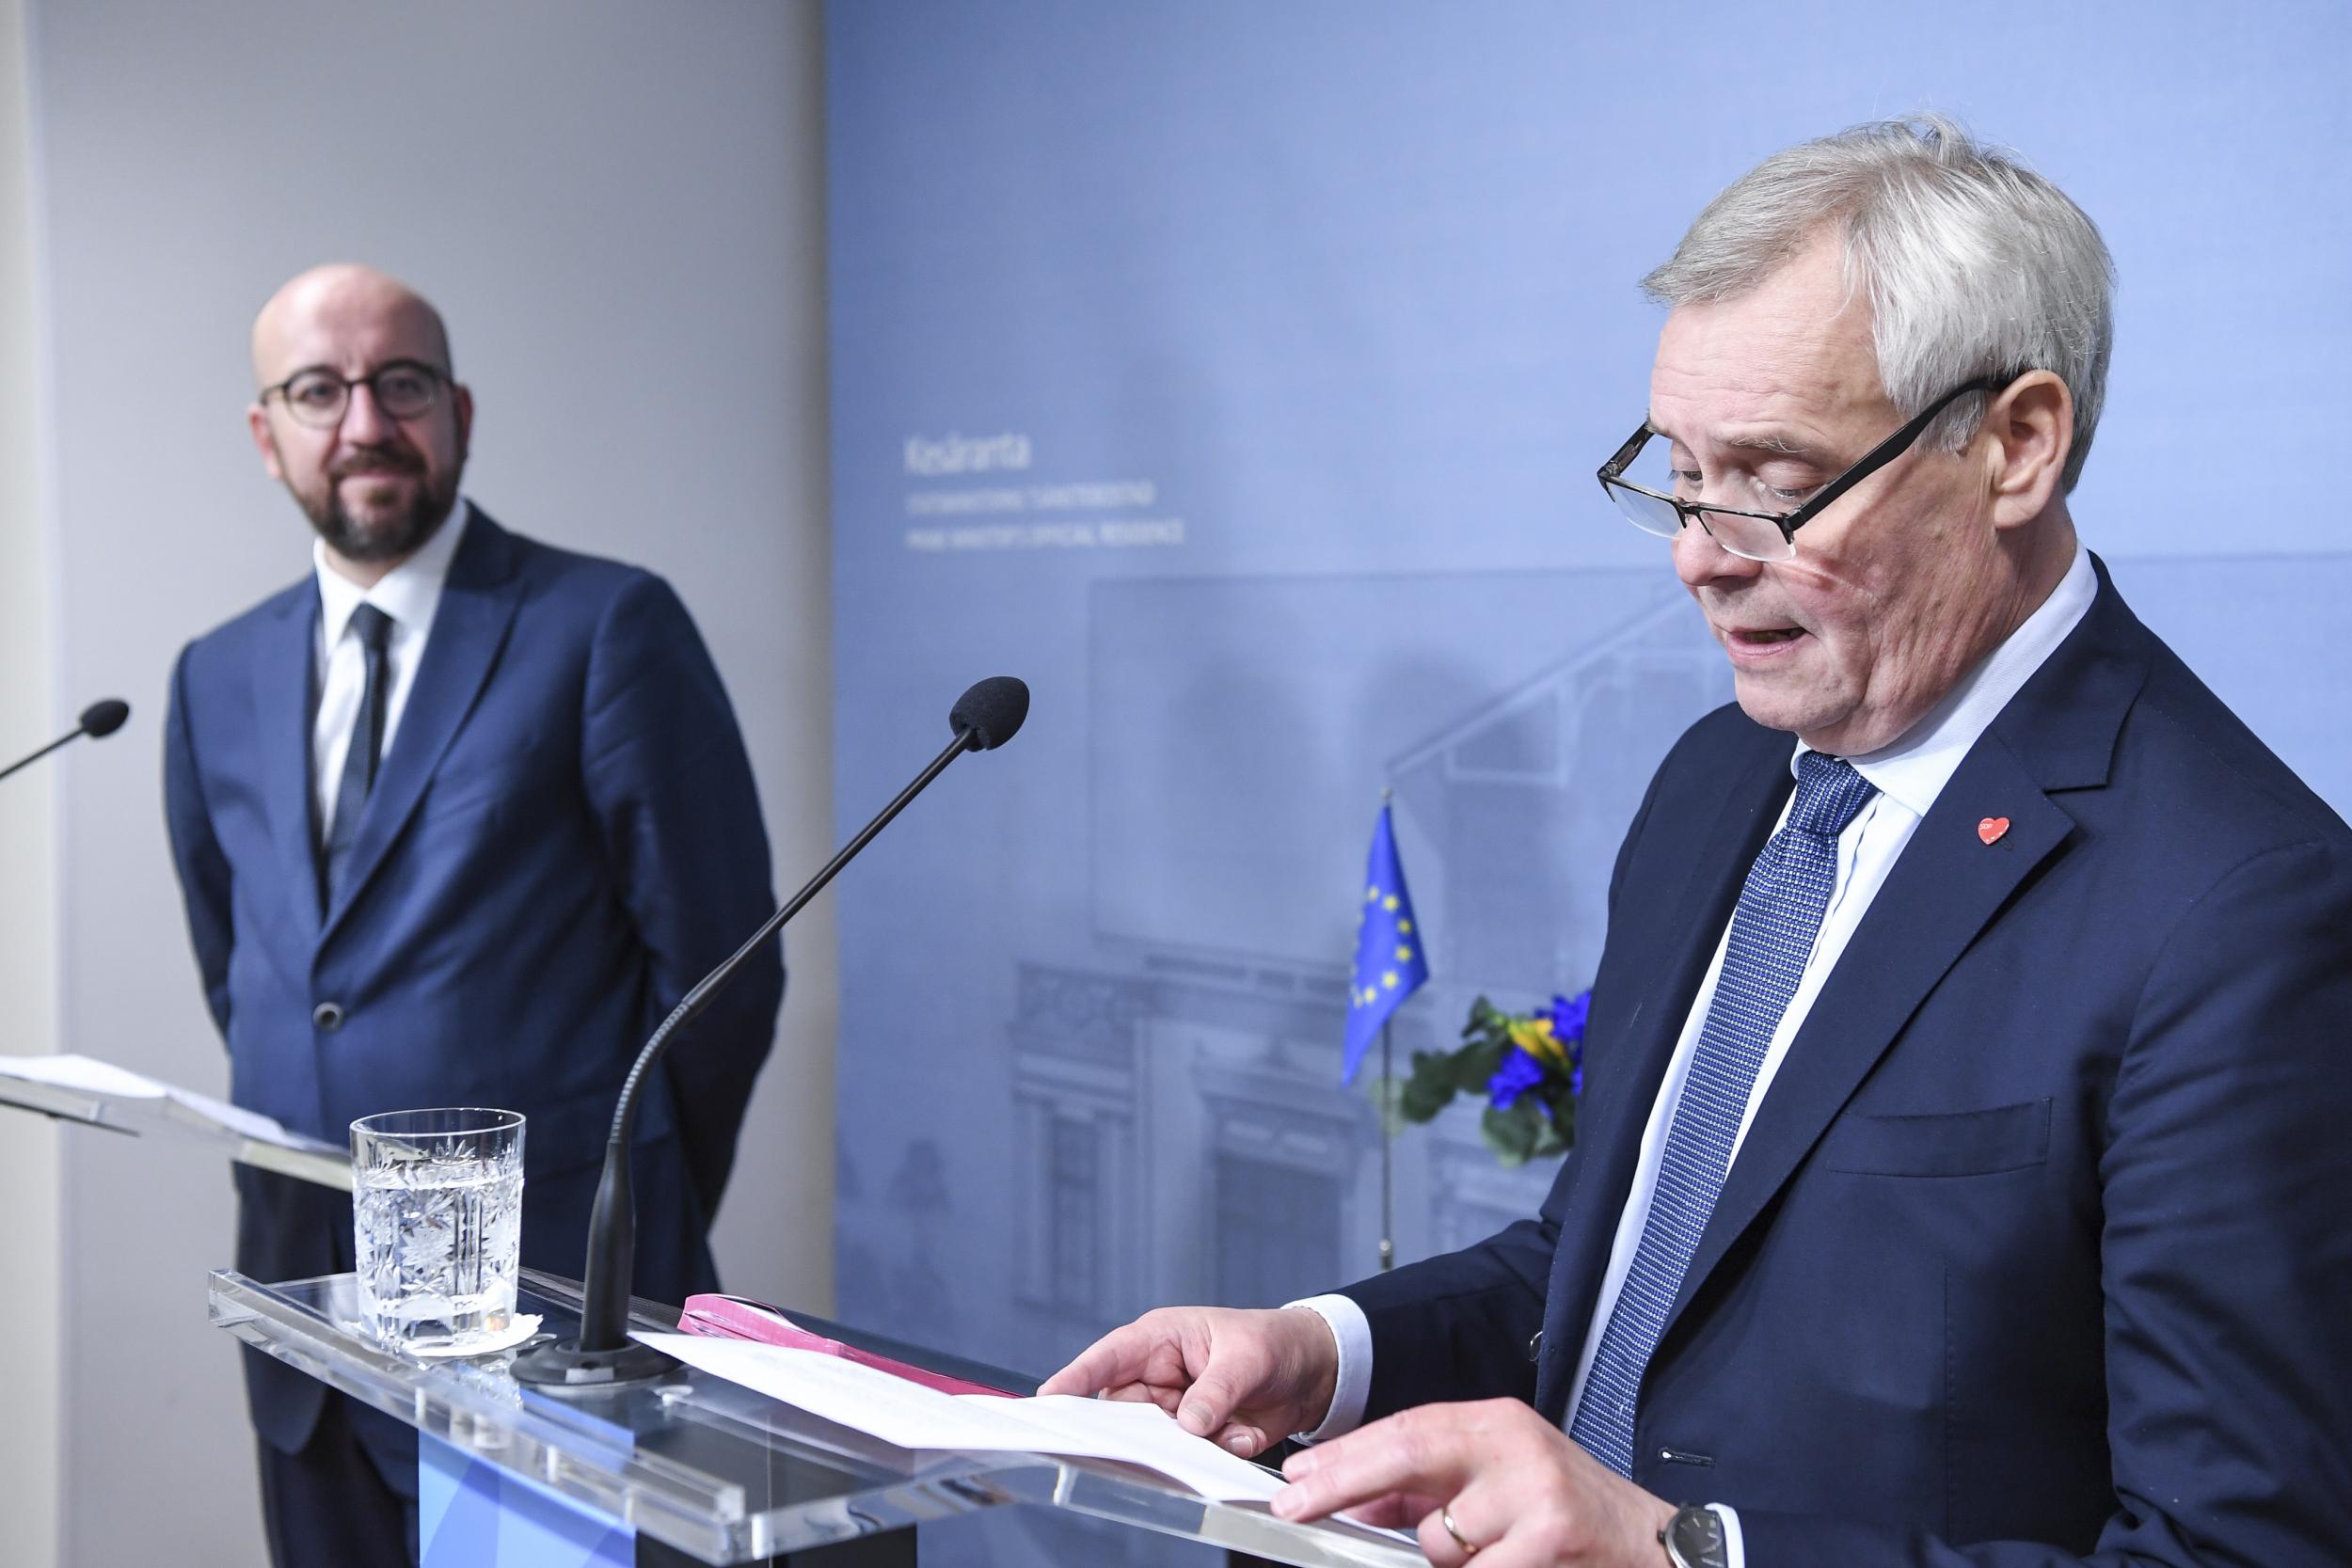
{"x": 563, "y": 838}
{"x": 2037, "y": 1249}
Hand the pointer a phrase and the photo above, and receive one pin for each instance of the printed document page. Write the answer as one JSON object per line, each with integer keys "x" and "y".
{"x": 91, "y": 1076}
{"x": 85, "y": 1073}
{"x": 909, "y": 1416}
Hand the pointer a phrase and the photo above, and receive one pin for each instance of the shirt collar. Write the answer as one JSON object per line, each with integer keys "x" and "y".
{"x": 410, "y": 592}
{"x": 1914, "y": 770}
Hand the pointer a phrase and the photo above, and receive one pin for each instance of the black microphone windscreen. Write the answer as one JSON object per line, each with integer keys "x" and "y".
{"x": 992, "y": 710}
{"x": 105, "y": 715}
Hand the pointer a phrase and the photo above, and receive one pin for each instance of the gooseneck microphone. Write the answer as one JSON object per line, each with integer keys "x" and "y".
{"x": 105, "y": 715}
{"x": 603, "y": 1354}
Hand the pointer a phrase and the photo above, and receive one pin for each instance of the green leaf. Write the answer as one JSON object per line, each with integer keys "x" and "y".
{"x": 1388, "y": 1098}
{"x": 1511, "y": 1135}
{"x": 1548, "y": 1140}
{"x": 1564, "y": 1122}
{"x": 1475, "y": 1064}
{"x": 1430, "y": 1087}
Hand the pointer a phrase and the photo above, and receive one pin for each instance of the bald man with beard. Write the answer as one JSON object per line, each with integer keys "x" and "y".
{"x": 458, "y": 817}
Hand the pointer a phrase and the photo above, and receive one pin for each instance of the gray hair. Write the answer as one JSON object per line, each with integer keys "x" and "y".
{"x": 1974, "y": 264}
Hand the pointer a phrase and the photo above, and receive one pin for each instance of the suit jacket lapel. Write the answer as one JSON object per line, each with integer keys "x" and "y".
{"x": 1608, "y": 1146}
{"x": 470, "y": 628}
{"x": 2057, "y": 733}
{"x": 282, "y": 681}
{"x": 1946, "y": 887}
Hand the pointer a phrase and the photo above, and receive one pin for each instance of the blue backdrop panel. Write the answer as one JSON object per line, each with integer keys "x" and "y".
{"x": 1235, "y": 373}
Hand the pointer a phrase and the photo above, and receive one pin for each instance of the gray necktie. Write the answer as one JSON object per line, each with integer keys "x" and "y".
{"x": 375, "y": 630}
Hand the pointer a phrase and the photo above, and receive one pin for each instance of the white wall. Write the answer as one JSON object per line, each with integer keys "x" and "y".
{"x": 29, "y": 716}
{"x": 619, "y": 210}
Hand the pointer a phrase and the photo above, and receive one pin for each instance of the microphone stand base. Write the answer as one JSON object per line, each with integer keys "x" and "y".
{"x": 561, "y": 1366}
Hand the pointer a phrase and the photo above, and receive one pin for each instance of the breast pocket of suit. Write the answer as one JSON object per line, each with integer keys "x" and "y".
{"x": 1944, "y": 1144}
{"x": 505, "y": 782}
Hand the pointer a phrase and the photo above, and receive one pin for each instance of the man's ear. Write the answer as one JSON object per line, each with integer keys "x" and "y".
{"x": 264, "y": 441}
{"x": 461, "y": 404}
{"x": 2029, "y": 426}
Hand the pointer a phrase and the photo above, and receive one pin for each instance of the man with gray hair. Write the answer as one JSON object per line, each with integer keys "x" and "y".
{"x": 1963, "y": 1138}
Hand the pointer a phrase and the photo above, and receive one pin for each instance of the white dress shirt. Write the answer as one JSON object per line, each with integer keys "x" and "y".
{"x": 410, "y": 593}
{"x": 1909, "y": 775}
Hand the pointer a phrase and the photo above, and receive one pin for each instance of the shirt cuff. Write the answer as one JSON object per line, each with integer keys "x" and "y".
{"x": 1351, "y": 1332}
{"x": 1734, "y": 1549}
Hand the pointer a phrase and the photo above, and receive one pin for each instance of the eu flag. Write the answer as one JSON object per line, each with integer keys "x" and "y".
{"x": 1391, "y": 963}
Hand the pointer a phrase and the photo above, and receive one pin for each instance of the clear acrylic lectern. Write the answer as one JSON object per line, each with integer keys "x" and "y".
{"x": 159, "y": 1113}
{"x": 720, "y": 1472}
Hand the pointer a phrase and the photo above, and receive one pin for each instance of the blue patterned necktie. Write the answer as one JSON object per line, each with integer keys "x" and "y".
{"x": 1772, "y": 931}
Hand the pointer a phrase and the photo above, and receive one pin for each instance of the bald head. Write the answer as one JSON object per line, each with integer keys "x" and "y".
{"x": 331, "y": 350}
{"x": 342, "y": 299}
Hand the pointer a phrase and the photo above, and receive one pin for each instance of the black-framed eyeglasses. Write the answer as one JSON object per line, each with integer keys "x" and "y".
{"x": 317, "y": 397}
{"x": 1762, "y": 535}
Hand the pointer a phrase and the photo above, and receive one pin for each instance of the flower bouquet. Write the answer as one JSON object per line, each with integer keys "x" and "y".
{"x": 1529, "y": 1065}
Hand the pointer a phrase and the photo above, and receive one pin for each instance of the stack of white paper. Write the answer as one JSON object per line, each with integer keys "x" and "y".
{"x": 909, "y": 1416}
{"x": 92, "y": 1076}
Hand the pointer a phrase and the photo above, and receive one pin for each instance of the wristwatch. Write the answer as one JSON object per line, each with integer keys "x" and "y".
{"x": 1693, "y": 1538}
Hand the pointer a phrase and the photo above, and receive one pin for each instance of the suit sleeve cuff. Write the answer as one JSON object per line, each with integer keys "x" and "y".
{"x": 1735, "y": 1549}
{"x": 1351, "y": 1331}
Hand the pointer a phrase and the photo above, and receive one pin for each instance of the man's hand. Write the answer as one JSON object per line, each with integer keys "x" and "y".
{"x": 1519, "y": 1491}
{"x": 1246, "y": 1379}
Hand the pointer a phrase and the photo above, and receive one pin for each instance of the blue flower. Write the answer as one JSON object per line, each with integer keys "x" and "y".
{"x": 1569, "y": 1015}
{"x": 1518, "y": 1073}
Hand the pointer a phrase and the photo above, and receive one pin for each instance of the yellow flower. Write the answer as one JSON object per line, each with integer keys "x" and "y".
{"x": 1533, "y": 1035}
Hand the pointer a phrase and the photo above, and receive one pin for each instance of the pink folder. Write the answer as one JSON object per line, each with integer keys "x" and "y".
{"x": 718, "y": 1317}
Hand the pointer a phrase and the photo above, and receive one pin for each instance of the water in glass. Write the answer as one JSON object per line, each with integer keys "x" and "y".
{"x": 438, "y": 1205}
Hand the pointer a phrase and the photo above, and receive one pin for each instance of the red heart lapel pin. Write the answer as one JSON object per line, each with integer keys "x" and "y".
{"x": 1992, "y": 828}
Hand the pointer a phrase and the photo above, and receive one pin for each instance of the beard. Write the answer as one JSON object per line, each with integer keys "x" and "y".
{"x": 384, "y": 536}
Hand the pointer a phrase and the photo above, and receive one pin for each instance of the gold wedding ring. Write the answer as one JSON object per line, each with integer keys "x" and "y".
{"x": 1445, "y": 1518}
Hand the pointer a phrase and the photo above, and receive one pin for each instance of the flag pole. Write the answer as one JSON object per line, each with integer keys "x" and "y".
{"x": 1388, "y": 1093}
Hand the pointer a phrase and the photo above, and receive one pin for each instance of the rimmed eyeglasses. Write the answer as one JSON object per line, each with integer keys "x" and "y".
{"x": 1761, "y": 535}
{"x": 317, "y": 397}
